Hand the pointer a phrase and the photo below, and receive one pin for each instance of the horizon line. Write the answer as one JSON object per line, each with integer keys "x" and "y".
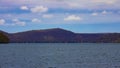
{"x": 61, "y": 29}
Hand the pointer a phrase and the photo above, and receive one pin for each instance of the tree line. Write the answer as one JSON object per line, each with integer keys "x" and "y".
{"x": 3, "y": 38}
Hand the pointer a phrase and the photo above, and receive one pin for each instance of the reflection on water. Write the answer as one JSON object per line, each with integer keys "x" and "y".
{"x": 62, "y": 55}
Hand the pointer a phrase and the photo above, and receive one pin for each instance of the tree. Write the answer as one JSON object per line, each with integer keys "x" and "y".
{"x": 3, "y": 38}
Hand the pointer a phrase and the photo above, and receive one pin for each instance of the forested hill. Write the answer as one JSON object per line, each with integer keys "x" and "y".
{"x": 3, "y": 37}
{"x": 58, "y": 35}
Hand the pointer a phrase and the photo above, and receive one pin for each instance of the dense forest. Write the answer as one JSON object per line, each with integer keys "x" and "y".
{"x": 3, "y": 38}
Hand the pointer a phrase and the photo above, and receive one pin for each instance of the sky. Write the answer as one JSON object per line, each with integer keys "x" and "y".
{"x": 80, "y": 16}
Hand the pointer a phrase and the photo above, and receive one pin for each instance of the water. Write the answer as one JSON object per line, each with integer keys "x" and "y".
{"x": 62, "y": 55}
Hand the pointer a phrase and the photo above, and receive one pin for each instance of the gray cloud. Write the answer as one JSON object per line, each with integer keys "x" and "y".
{"x": 88, "y": 4}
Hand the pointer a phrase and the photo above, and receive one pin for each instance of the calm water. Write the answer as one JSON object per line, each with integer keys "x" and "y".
{"x": 49, "y": 55}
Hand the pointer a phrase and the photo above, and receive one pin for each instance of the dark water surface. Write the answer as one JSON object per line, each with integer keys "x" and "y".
{"x": 59, "y": 55}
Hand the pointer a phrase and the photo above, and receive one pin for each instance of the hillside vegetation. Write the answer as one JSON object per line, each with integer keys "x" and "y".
{"x": 3, "y": 38}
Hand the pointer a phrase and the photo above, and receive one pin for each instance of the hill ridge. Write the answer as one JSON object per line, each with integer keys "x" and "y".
{"x": 62, "y": 36}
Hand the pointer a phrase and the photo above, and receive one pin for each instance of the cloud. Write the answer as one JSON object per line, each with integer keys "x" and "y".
{"x": 73, "y": 18}
{"x": 2, "y": 21}
{"x": 93, "y": 4}
{"x": 35, "y": 20}
{"x": 38, "y": 9}
{"x": 94, "y": 14}
{"x": 104, "y": 12}
{"x": 87, "y": 4}
{"x": 47, "y": 15}
{"x": 105, "y": 1}
{"x": 73, "y": 4}
{"x": 24, "y": 8}
{"x": 18, "y": 22}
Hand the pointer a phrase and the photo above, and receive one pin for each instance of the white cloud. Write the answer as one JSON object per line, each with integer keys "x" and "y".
{"x": 35, "y": 20}
{"x": 24, "y": 8}
{"x": 47, "y": 15}
{"x": 18, "y": 22}
{"x": 94, "y": 14}
{"x": 15, "y": 20}
{"x": 38, "y": 9}
{"x": 73, "y": 18}
{"x": 2, "y": 21}
{"x": 104, "y": 12}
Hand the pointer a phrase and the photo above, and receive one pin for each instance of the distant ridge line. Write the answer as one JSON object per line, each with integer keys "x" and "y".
{"x": 58, "y": 35}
